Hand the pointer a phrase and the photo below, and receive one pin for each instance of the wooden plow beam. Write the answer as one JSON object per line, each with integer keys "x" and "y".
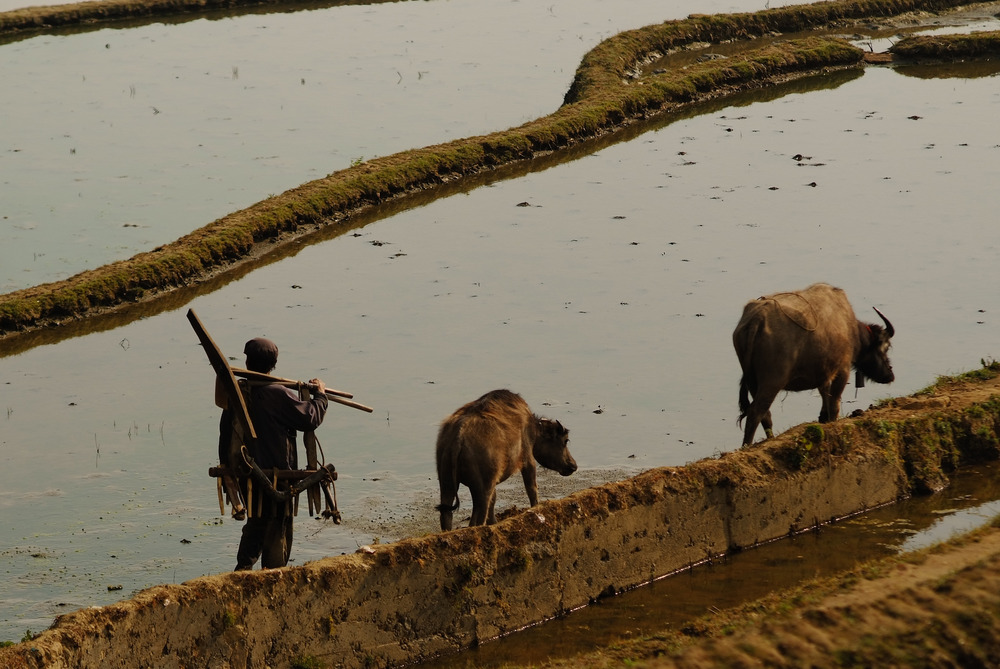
{"x": 243, "y": 427}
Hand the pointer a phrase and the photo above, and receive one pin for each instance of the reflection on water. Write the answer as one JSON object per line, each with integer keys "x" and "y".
{"x": 671, "y": 602}
{"x": 971, "y": 70}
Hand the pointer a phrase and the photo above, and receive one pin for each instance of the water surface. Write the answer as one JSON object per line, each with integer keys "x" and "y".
{"x": 114, "y": 141}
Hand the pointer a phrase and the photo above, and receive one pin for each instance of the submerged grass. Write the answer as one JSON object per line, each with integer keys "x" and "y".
{"x": 604, "y": 96}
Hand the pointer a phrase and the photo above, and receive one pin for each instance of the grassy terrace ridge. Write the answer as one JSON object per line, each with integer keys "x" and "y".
{"x": 603, "y": 97}
{"x": 949, "y": 47}
{"x": 48, "y": 17}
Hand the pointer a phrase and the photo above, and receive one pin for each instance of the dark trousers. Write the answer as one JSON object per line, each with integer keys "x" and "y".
{"x": 267, "y": 535}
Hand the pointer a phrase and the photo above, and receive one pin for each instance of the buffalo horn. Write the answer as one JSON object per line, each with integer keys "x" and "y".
{"x": 889, "y": 330}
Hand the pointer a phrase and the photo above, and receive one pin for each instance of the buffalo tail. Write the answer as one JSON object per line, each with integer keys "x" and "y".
{"x": 745, "y": 350}
{"x": 744, "y": 400}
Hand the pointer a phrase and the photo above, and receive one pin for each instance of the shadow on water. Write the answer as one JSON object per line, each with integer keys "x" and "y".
{"x": 17, "y": 343}
{"x": 668, "y": 604}
{"x": 963, "y": 70}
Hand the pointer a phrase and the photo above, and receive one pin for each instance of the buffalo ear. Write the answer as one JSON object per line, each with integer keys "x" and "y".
{"x": 552, "y": 426}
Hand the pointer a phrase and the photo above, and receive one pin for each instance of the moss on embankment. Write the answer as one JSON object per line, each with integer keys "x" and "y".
{"x": 393, "y": 604}
{"x": 948, "y": 47}
{"x": 40, "y": 19}
{"x": 604, "y": 96}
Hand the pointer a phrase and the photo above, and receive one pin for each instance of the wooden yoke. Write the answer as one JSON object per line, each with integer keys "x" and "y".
{"x": 225, "y": 374}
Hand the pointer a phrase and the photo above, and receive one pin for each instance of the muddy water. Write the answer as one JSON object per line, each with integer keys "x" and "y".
{"x": 607, "y": 300}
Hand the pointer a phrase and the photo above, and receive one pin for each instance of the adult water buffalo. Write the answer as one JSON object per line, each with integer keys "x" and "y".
{"x": 485, "y": 442}
{"x": 803, "y": 340}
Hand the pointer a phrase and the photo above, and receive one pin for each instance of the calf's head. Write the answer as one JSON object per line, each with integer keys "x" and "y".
{"x": 873, "y": 359}
{"x": 551, "y": 446}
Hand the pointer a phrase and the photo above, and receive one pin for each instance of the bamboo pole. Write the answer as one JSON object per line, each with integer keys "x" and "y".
{"x": 270, "y": 378}
{"x": 256, "y": 378}
{"x": 332, "y": 398}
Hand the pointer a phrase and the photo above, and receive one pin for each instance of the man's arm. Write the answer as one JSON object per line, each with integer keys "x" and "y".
{"x": 293, "y": 413}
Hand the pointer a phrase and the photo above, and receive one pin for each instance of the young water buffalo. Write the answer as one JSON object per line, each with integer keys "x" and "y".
{"x": 803, "y": 340}
{"x": 485, "y": 442}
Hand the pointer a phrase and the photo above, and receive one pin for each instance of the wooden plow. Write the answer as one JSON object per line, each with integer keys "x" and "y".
{"x": 240, "y": 482}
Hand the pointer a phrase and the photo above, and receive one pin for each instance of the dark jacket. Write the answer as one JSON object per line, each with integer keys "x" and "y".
{"x": 277, "y": 413}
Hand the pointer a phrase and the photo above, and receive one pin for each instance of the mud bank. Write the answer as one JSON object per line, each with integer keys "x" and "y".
{"x": 932, "y": 608}
{"x": 393, "y": 604}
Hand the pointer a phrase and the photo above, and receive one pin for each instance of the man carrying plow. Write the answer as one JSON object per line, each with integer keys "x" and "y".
{"x": 262, "y": 415}
{"x": 277, "y": 414}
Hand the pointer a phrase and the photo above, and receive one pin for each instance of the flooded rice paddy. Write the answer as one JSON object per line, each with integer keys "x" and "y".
{"x": 114, "y": 141}
{"x": 603, "y": 289}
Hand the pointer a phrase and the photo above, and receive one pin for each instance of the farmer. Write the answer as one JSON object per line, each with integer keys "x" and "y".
{"x": 277, "y": 414}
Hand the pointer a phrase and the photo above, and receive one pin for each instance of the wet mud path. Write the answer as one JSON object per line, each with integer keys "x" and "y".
{"x": 393, "y": 604}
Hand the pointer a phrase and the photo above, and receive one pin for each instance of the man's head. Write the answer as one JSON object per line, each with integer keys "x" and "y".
{"x": 262, "y": 355}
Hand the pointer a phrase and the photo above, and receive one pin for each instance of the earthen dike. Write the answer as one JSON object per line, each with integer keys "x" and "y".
{"x": 398, "y": 603}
